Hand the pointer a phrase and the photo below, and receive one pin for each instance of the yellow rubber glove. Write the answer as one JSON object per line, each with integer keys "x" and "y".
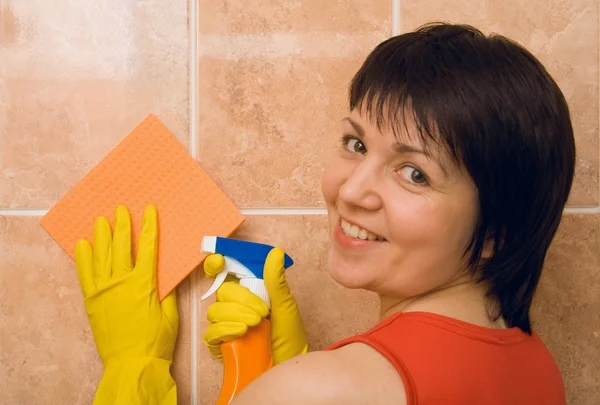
{"x": 237, "y": 309}
{"x": 135, "y": 333}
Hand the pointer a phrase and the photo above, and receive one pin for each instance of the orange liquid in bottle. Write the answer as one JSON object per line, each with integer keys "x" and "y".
{"x": 244, "y": 359}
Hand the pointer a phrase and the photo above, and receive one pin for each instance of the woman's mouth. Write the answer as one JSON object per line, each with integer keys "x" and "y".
{"x": 354, "y": 231}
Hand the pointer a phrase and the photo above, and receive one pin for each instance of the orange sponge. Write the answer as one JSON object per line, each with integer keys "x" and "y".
{"x": 149, "y": 166}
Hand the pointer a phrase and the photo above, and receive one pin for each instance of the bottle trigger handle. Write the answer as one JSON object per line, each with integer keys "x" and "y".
{"x": 215, "y": 285}
{"x": 231, "y": 266}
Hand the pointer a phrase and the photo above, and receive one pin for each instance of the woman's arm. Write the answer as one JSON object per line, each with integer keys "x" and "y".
{"x": 354, "y": 374}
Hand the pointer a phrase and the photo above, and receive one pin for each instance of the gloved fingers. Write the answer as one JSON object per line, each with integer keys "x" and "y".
{"x": 148, "y": 245}
{"x": 233, "y": 292}
{"x": 232, "y": 312}
{"x": 102, "y": 250}
{"x": 275, "y": 280}
{"x": 169, "y": 308}
{"x": 217, "y": 333}
{"x": 215, "y": 351}
{"x": 122, "y": 262}
{"x": 85, "y": 267}
{"x": 287, "y": 329}
{"x": 213, "y": 265}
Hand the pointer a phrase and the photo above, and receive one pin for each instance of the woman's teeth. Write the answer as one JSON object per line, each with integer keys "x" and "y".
{"x": 356, "y": 232}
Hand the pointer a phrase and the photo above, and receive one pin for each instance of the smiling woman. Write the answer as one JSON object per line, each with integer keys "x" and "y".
{"x": 422, "y": 211}
{"x": 455, "y": 163}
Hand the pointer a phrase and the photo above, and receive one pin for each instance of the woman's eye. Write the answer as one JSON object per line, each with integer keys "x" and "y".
{"x": 354, "y": 145}
{"x": 414, "y": 175}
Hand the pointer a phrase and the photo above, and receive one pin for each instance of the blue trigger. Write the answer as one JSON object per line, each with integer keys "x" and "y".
{"x": 251, "y": 255}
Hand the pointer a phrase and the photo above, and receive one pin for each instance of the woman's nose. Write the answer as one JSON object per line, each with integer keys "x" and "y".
{"x": 360, "y": 188}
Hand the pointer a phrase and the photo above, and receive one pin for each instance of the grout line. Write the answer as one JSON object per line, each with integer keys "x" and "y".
{"x": 26, "y": 212}
{"x": 283, "y": 211}
{"x": 395, "y": 17}
{"x": 194, "y": 286}
{"x": 22, "y": 212}
{"x": 193, "y": 71}
{"x": 582, "y": 210}
{"x": 193, "y": 111}
{"x": 598, "y": 109}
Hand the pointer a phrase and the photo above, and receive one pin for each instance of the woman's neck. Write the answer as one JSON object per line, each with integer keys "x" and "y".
{"x": 464, "y": 300}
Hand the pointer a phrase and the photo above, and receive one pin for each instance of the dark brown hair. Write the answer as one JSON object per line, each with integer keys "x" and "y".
{"x": 503, "y": 118}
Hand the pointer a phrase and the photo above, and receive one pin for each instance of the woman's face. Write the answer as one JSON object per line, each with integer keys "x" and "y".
{"x": 399, "y": 219}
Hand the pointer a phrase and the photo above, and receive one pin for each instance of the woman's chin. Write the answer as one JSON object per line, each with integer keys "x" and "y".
{"x": 347, "y": 276}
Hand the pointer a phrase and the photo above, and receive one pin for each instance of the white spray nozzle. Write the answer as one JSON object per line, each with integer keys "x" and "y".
{"x": 233, "y": 266}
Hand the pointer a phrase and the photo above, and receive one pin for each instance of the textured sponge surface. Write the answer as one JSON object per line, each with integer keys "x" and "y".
{"x": 149, "y": 166}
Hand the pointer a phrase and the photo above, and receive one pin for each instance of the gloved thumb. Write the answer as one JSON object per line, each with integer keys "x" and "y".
{"x": 213, "y": 265}
{"x": 169, "y": 307}
{"x": 274, "y": 277}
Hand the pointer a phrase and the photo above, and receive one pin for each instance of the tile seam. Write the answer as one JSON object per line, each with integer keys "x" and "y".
{"x": 26, "y": 212}
{"x": 30, "y": 212}
{"x": 395, "y": 17}
{"x": 194, "y": 141}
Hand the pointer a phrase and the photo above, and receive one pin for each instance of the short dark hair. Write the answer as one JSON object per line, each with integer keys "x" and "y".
{"x": 502, "y": 117}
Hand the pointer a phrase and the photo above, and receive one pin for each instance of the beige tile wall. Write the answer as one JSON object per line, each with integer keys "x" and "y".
{"x": 75, "y": 78}
{"x": 271, "y": 86}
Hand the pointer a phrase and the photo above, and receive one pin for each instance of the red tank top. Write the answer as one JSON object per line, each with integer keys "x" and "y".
{"x": 445, "y": 361}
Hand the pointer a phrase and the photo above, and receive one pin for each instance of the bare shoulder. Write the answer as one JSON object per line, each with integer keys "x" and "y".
{"x": 353, "y": 374}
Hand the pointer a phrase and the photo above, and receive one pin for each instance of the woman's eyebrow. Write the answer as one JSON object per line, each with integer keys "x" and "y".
{"x": 360, "y": 130}
{"x": 404, "y": 148}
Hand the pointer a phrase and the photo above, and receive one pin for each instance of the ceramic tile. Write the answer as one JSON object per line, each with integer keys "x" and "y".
{"x": 330, "y": 311}
{"x": 273, "y": 84}
{"x": 414, "y": 13}
{"x": 564, "y": 36}
{"x": 77, "y": 79}
{"x": 266, "y": 127}
{"x": 45, "y": 337}
{"x": 565, "y": 310}
{"x": 269, "y": 16}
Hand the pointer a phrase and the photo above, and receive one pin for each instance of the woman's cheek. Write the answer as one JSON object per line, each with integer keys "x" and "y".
{"x": 410, "y": 215}
{"x": 334, "y": 176}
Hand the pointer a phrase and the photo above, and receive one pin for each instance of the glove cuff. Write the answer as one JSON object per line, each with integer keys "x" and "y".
{"x": 143, "y": 380}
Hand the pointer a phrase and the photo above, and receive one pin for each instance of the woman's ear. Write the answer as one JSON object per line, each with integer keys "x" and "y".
{"x": 488, "y": 246}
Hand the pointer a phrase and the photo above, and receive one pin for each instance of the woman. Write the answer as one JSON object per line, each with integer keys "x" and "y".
{"x": 455, "y": 163}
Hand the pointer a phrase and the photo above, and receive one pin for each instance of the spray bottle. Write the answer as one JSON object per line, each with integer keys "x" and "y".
{"x": 249, "y": 356}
